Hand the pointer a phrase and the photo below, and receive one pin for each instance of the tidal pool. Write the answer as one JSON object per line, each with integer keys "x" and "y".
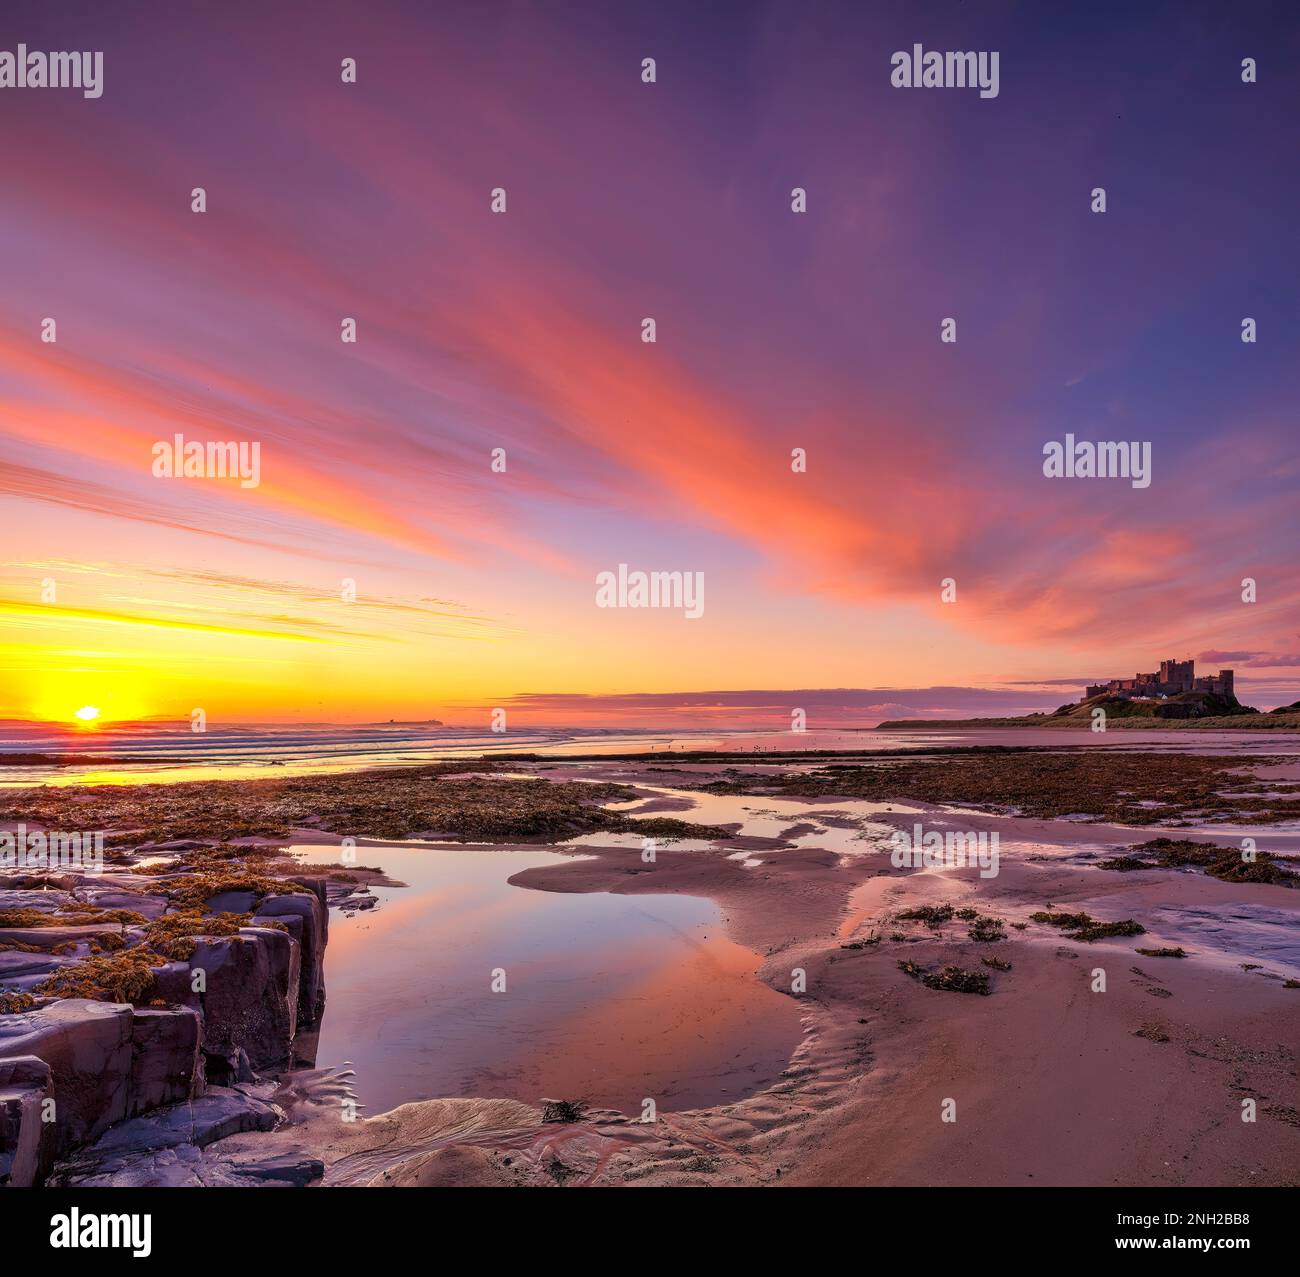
{"x": 611, "y": 999}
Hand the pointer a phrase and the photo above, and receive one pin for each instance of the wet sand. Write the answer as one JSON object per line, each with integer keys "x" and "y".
{"x": 1054, "y": 1078}
{"x": 1053, "y": 1083}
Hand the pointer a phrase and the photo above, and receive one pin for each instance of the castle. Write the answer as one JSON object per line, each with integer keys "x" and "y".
{"x": 1173, "y": 678}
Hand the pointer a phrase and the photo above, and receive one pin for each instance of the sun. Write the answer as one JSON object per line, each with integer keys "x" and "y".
{"x": 88, "y": 713}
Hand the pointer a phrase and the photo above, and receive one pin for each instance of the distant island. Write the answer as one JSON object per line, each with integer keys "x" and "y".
{"x": 1171, "y": 697}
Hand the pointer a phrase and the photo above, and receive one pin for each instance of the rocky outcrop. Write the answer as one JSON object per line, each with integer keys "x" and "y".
{"x": 220, "y": 1112}
{"x": 307, "y": 918}
{"x": 250, "y": 995}
{"x": 166, "y": 1147}
{"x": 106, "y": 1061}
{"x": 166, "y": 1060}
{"x": 144, "y": 1087}
{"x": 88, "y": 1048}
{"x": 27, "y": 1139}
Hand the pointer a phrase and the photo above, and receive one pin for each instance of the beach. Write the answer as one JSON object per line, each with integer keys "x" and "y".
{"x": 715, "y": 972}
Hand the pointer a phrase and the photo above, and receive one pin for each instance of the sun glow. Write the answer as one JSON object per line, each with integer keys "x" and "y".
{"x": 77, "y": 688}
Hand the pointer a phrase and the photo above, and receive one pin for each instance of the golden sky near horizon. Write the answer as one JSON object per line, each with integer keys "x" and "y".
{"x": 777, "y": 330}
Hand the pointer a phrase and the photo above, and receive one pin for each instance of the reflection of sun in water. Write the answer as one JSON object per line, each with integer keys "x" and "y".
{"x": 88, "y": 713}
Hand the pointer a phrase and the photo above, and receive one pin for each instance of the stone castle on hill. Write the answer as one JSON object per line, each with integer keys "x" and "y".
{"x": 1173, "y": 679}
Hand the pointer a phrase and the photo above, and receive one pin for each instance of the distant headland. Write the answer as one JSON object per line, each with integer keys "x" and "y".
{"x": 1170, "y": 697}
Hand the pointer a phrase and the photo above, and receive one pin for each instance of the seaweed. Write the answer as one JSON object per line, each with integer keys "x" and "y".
{"x": 1105, "y": 785}
{"x": 173, "y": 934}
{"x": 958, "y": 980}
{"x": 563, "y": 1110}
{"x": 951, "y": 979}
{"x": 987, "y": 929}
{"x": 1226, "y": 863}
{"x": 1152, "y": 1033}
{"x": 398, "y": 802}
{"x": 120, "y": 977}
{"x": 193, "y": 891}
{"x": 932, "y": 915}
{"x": 71, "y": 916}
{"x": 1081, "y": 926}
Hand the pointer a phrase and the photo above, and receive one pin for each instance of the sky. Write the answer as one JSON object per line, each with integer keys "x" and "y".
{"x": 523, "y": 330}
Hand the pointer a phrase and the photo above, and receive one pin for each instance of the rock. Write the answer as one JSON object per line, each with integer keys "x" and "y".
{"x": 180, "y": 1167}
{"x": 166, "y": 1064}
{"x": 87, "y": 1046}
{"x": 172, "y": 984}
{"x": 231, "y": 902}
{"x": 306, "y": 1044}
{"x": 306, "y": 917}
{"x": 319, "y": 888}
{"x": 45, "y": 901}
{"x": 47, "y": 937}
{"x": 188, "y": 1167}
{"x": 251, "y": 994}
{"x": 27, "y": 1141}
{"x": 293, "y": 1167}
{"x": 220, "y": 1112}
{"x": 37, "y": 882}
{"x": 228, "y": 1069}
{"x": 107, "y": 1061}
{"x": 14, "y": 963}
{"x": 114, "y": 897}
{"x": 165, "y": 1148}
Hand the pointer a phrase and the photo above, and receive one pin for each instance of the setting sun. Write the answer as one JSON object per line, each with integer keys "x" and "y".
{"x": 88, "y": 713}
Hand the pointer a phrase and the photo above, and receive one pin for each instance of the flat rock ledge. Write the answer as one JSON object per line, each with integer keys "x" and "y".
{"x": 95, "y": 1092}
{"x": 169, "y": 1147}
